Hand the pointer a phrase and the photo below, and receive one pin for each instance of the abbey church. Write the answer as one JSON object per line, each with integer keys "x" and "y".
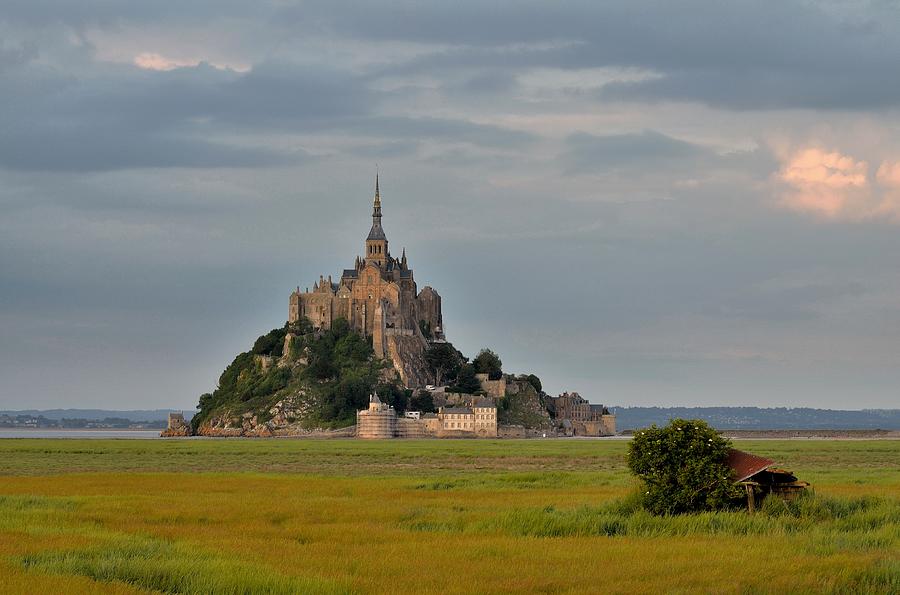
{"x": 379, "y": 298}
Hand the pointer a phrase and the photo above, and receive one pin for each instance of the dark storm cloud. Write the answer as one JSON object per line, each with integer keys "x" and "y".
{"x": 270, "y": 95}
{"x": 110, "y": 13}
{"x": 437, "y": 128}
{"x": 653, "y": 154}
{"x": 484, "y": 83}
{"x": 853, "y": 89}
{"x": 648, "y": 150}
{"x": 738, "y": 55}
{"x": 96, "y": 148}
{"x": 16, "y": 55}
{"x": 120, "y": 117}
{"x": 746, "y": 55}
{"x": 399, "y": 148}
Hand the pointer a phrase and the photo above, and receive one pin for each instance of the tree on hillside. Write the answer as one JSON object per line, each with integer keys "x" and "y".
{"x": 488, "y": 362}
{"x": 466, "y": 382}
{"x": 535, "y": 382}
{"x": 444, "y": 361}
{"x": 422, "y": 401}
{"x": 683, "y": 467}
{"x": 301, "y": 326}
{"x": 271, "y": 343}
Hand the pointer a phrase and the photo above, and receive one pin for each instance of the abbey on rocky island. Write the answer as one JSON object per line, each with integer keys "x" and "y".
{"x": 379, "y": 298}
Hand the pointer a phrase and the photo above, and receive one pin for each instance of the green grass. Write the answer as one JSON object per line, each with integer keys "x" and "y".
{"x": 162, "y": 566}
{"x": 295, "y": 516}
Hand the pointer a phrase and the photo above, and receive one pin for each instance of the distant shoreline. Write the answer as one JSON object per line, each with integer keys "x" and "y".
{"x": 84, "y": 433}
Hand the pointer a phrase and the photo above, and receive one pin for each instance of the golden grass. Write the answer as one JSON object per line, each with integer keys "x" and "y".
{"x": 405, "y": 517}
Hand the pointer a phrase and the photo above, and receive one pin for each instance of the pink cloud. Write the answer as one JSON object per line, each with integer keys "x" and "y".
{"x": 889, "y": 174}
{"x": 838, "y": 187}
{"x": 151, "y": 61}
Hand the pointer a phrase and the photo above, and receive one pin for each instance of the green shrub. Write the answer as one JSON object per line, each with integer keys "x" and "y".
{"x": 422, "y": 401}
{"x": 683, "y": 467}
{"x": 444, "y": 361}
{"x": 466, "y": 382}
{"x": 488, "y": 362}
{"x": 272, "y": 343}
{"x": 535, "y": 382}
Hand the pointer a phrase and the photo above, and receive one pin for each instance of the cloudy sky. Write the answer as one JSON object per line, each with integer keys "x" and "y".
{"x": 692, "y": 203}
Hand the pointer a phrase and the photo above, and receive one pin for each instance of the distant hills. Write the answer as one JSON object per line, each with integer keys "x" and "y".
{"x": 136, "y": 415}
{"x": 87, "y": 419}
{"x": 757, "y": 418}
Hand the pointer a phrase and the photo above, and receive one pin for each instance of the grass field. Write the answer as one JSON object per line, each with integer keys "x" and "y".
{"x": 346, "y": 516}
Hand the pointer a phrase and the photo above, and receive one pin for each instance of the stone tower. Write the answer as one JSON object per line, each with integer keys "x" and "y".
{"x": 378, "y": 297}
{"x": 376, "y": 242}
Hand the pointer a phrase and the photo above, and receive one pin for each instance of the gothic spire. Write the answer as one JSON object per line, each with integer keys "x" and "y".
{"x": 376, "y": 233}
{"x": 377, "y": 211}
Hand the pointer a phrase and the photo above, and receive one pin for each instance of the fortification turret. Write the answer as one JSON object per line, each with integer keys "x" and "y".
{"x": 378, "y": 421}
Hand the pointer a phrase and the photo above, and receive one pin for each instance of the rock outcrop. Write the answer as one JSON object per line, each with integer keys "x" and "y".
{"x": 407, "y": 355}
{"x": 523, "y": 407}
{"x": 285, "y": 422}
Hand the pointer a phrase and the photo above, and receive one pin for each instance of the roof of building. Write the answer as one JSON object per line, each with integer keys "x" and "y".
{"x": 405, "y": 273}
{"x": 351, "y": 273}
{"x": 376, "y": 233}
{"x": 745, "y": 465}
{"x": 482, "y": 402}
{"x": 457, "y": 410}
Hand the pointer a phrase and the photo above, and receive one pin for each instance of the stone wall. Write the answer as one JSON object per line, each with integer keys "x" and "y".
{"x": 516, "y": 431}
{"x": 176, "y": 426}
{"x": 411, "y": 428}
{"x": 494, "y": 388}
{"x": 428, "y": 304}
{"x": 604, "y": 427}
{"x": 445, "y": 399}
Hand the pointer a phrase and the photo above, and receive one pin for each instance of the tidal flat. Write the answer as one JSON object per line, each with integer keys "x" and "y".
{"x": 441, "y": 516}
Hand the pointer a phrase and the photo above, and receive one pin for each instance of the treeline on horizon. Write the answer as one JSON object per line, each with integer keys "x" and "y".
{"x": 13, "y": 420}
{"x": 759, "y": 418}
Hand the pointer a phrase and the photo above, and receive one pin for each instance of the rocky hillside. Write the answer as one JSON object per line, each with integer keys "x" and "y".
{"x": 294, "y": 381}
{"x": 523, "y": 406}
